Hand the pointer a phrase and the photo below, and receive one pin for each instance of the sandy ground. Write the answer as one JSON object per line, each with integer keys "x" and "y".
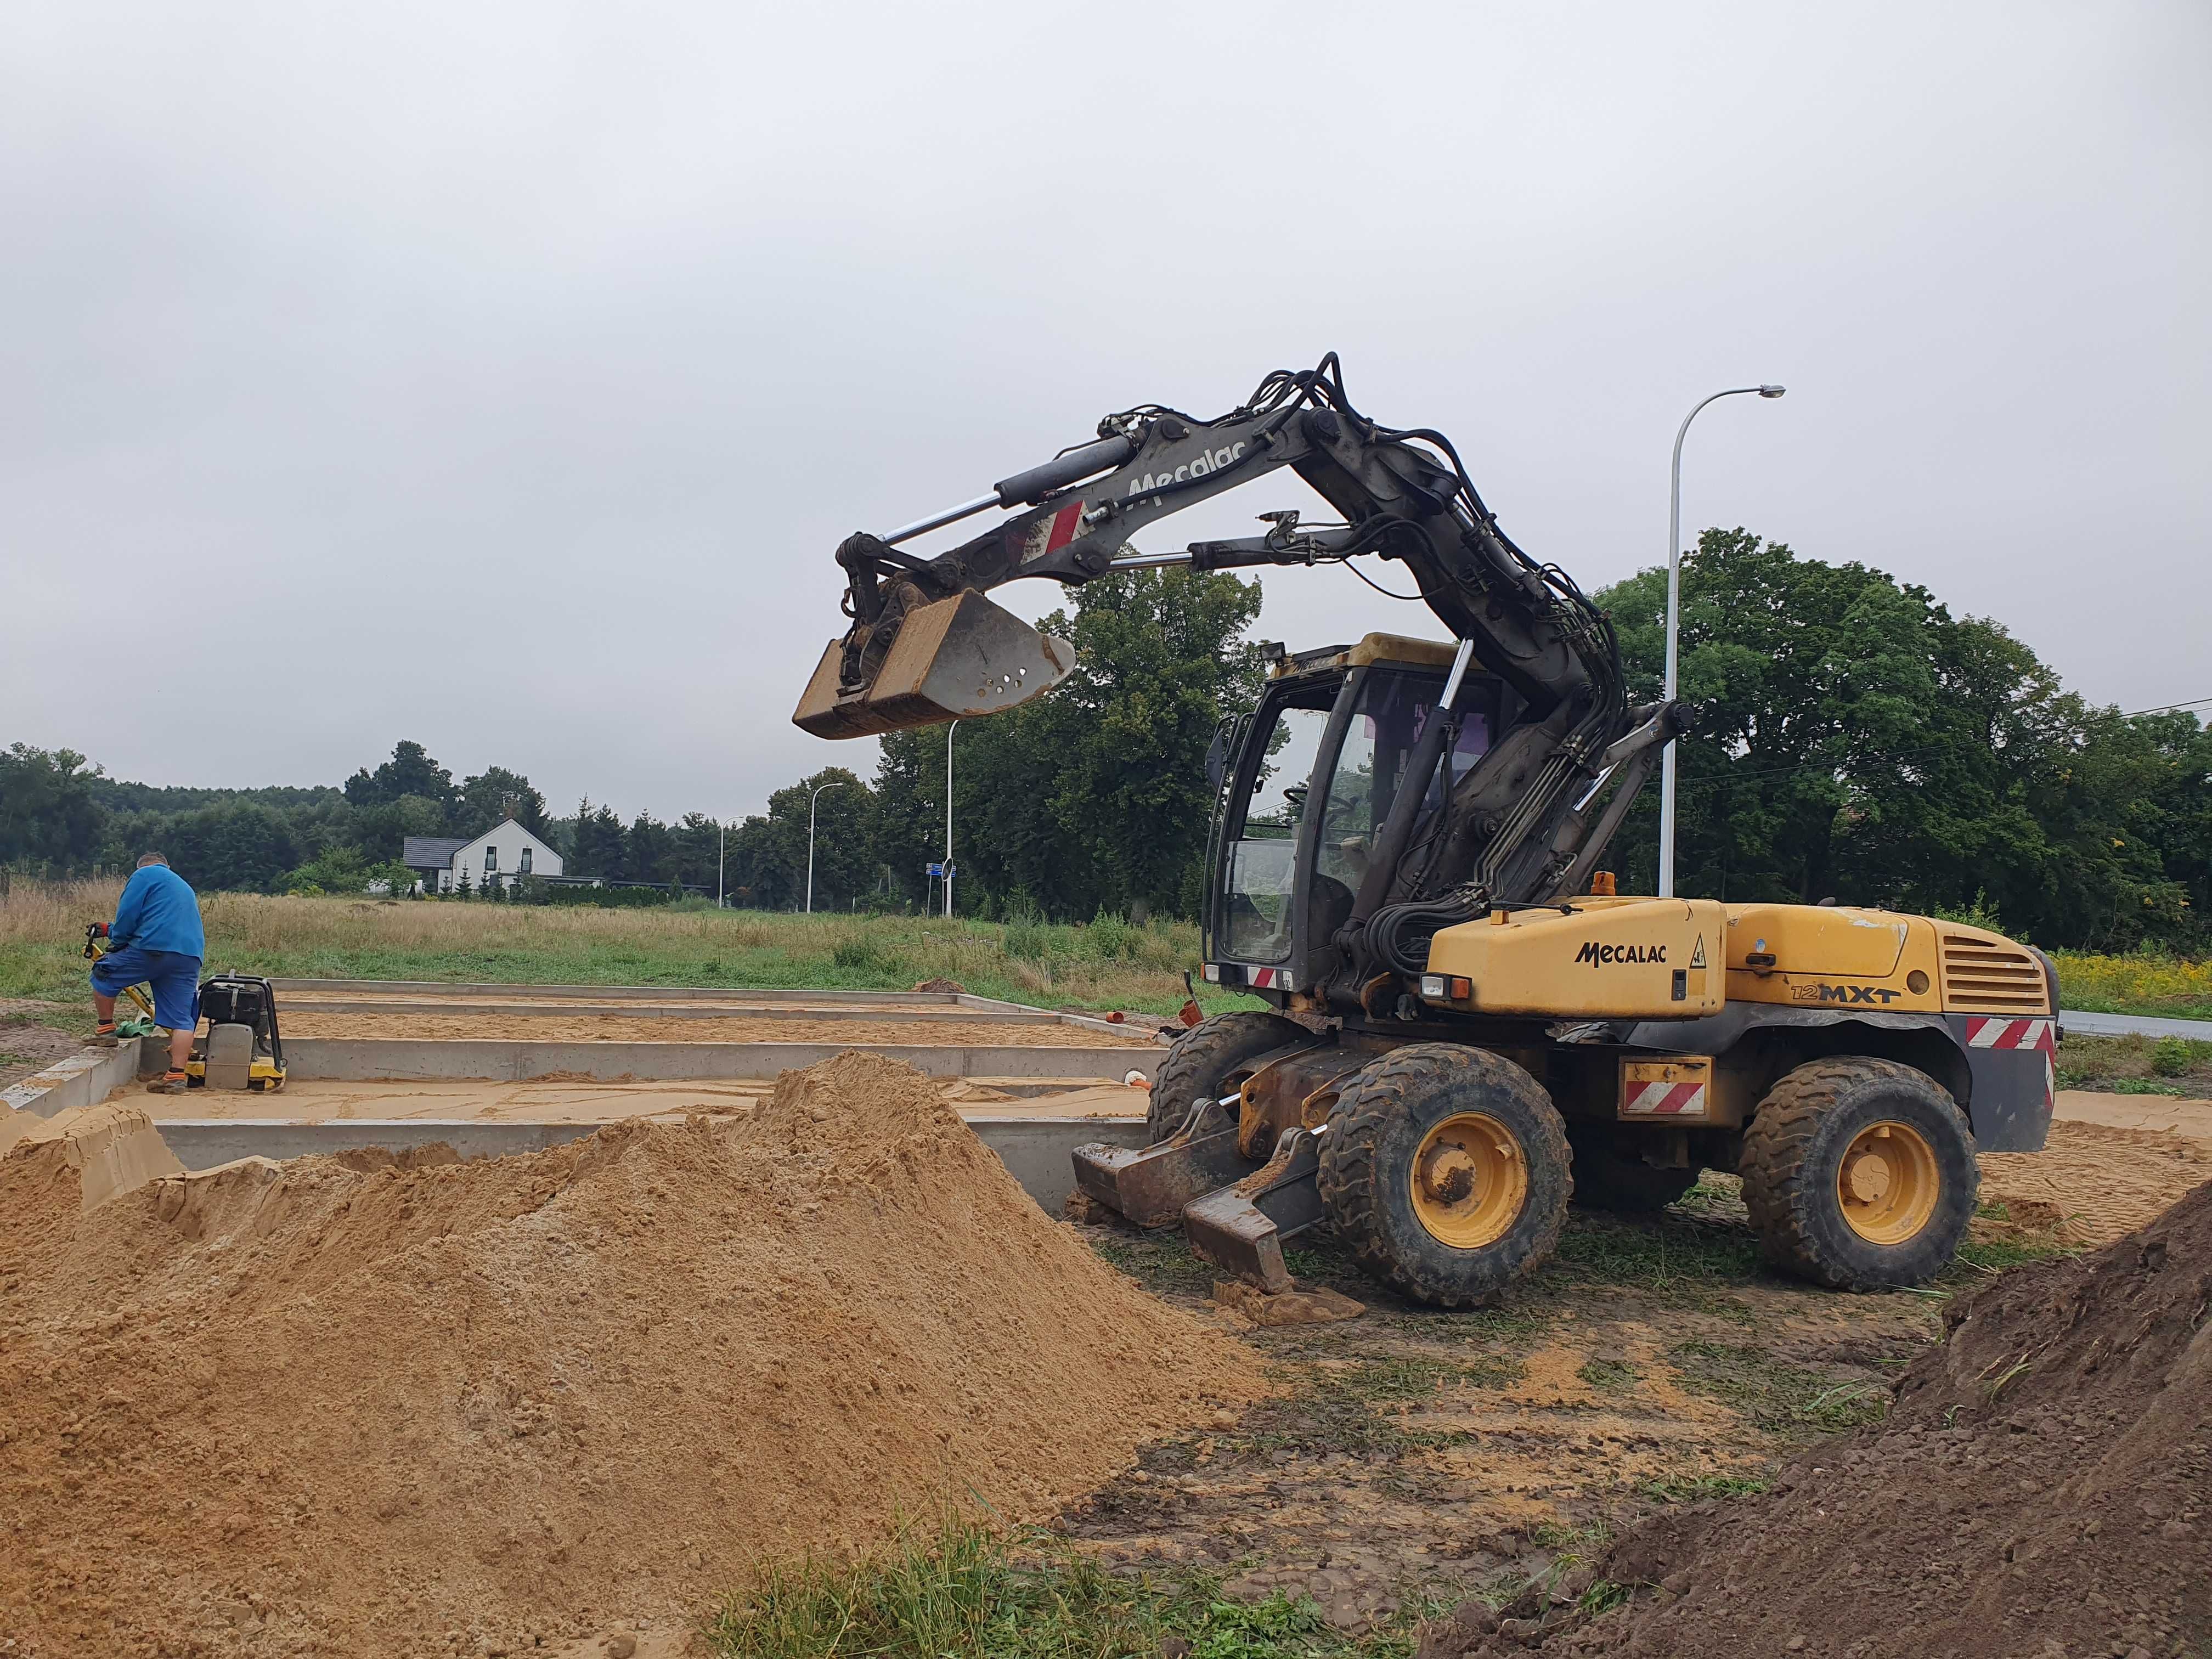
{"x": 541, "y": 1100}
{"x": 2095, "y": 1181}
{"x": 302, "y": 1021}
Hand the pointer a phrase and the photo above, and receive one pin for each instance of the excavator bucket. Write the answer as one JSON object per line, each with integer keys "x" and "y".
{"x": 952, "y": 659}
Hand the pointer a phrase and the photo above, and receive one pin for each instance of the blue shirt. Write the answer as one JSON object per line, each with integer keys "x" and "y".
{"x": 159, "y": 911}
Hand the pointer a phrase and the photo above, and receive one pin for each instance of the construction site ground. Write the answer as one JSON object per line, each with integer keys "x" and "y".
{"x": 1409, "y": 1456}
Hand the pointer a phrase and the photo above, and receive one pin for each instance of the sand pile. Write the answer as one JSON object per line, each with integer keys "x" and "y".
{"x": 456, "y": 1408}
{"x": 2042, "y": 1487}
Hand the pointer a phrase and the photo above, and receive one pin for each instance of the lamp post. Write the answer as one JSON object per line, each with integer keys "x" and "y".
{"x": 721, "y": 857}
{"x": 1673, "y": 630}
{"x": 949, "y": 731}
{"x": 812, "y": 796}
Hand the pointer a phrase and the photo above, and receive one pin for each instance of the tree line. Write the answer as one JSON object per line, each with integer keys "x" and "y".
{"x": 1853, "y": 740}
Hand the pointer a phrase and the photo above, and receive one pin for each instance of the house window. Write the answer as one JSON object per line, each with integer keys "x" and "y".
{"x": 523, "y": 868}
{"x": 491, "y": 860}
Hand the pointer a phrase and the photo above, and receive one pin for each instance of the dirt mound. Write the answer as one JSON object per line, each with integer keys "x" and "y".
{"x": 2042, "y": 1486}
{"x": 459, "y": 1407}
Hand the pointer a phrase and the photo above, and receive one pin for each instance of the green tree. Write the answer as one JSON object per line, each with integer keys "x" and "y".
{"x": 493, "y": 794}
{"x": 235, "y": 846}
{"x": 411, "y": 771}
{"x": 596, "y": 844}
{"x": 48, "y": 811}
{"x": 1095, "y": 796}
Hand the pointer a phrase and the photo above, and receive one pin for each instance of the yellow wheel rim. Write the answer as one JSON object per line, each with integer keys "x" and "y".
{"x": 1888, "y": 1184}
{"x": 1470, "y": 1181}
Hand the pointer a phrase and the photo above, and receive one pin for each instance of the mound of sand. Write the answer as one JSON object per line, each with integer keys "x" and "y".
{"x": 2043, "y": 1486}
{"x": 352, "y": 1406}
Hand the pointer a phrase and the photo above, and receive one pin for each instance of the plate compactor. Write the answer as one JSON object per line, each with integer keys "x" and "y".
{"x": 243, "y": 1049}
{"x": 1465, "y": 1024}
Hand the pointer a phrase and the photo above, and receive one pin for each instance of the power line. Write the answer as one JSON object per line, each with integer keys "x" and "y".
{"x": 2167, "y": 707}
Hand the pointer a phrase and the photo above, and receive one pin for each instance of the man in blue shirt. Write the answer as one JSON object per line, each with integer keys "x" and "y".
{"x": 155, "y": 940}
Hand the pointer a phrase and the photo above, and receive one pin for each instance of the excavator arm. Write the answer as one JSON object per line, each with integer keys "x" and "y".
{"x": 926, "y": 647}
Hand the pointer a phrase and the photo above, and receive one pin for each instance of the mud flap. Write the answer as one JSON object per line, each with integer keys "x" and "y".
{"x": 1241, "y": 1228}
{"x": 951, "y": 660}
{"x": 1151, "y": 1185}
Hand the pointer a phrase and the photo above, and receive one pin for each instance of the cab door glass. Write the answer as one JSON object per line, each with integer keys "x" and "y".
{"x": 1392, "y": 712}
{"x": 1262, "y": 860}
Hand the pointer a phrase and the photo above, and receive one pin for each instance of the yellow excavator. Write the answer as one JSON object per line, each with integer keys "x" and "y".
{"x": 1466, "y": 1026}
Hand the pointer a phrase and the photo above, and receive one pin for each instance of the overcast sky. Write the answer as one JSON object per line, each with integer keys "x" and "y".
{"x": 504, "y": 376}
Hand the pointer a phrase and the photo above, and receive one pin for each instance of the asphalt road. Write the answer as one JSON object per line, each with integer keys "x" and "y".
{"x": 2132, "y": 1024}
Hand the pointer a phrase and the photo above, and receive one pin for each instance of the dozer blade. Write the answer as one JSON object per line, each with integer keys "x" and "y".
{"x": 951, "y": 660}
{"x": 1151, "y": 1185}
{"x": 1241, "y": 1228}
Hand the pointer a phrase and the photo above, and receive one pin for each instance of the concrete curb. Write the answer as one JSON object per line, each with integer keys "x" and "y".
{"x": 406, "y": 1059}
{"x": 1036, "y": 1151}
{"x": 880, "y": 1001}
{"x": 85, "y": 1078}
{"x": 566, "y": 1008}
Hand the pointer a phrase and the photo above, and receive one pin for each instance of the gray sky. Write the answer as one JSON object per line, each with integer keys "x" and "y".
{"x": 503, "y": 376}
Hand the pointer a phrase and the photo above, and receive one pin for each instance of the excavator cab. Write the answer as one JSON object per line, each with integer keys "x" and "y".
{"x": 1307, "y": 787}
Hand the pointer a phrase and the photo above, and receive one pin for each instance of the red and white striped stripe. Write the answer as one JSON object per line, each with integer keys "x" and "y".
{"x": 1667, "y": 1098}
{"x": 2012, "y": 1034}
{"x": 1263, "y": 977}
{"x": 1050, "y": 535}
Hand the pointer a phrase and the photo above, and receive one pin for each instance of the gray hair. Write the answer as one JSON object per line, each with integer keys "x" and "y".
{"x": 145, "y": 858}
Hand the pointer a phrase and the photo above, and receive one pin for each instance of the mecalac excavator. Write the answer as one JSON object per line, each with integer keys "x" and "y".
{"x": 1466, "y": 1024}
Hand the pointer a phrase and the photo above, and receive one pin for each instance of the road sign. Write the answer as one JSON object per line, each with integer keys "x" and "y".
{"x": 933, "y": 869}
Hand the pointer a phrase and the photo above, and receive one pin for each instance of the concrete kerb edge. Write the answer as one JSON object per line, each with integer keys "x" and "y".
{"x": 85, "y": 1078}
{"x": 406, "y": 1059}
{"x": 435, "y": 989}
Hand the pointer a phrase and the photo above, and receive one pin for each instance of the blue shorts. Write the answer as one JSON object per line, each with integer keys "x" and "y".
{"x": 175, "y": 979}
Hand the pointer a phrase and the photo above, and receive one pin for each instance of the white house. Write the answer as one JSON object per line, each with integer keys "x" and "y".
{"x": 507, "y": 850}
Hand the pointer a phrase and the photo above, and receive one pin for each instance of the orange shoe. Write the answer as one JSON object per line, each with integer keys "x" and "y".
{"x": 169, "y": 1082}
{"x": 103, "y": 1036}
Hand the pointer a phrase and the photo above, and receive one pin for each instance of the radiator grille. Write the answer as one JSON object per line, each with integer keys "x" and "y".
{"x": 1981, "y": 976}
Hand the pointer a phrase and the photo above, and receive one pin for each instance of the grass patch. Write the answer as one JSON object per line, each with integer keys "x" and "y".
{"x": 2138, "y": 983}
{"x": 1680, "y": 1262}
{"x": 2136, "y": 1065}
{"x": 956, "y": 1591}
{"x": 1697, "y": 1488}
{"x": 1106, "y": 963}
{"x": 1777, "y": 1396}
{"x": 1164, "y": 1266}
{"x": 1612, "y": 1376}
{"x": 1978, "y": 1257}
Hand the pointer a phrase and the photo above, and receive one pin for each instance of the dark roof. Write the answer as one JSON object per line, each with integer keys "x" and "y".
{"x": 429, "y": 852}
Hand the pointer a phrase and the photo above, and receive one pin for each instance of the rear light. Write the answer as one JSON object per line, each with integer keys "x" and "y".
{"x": 1212, "y": 973}
{"x": 1447, "y": 988}
{"x": 1432, "y": 987}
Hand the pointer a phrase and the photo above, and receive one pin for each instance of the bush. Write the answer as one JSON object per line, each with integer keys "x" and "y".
{"x": 2171, "y": 1056}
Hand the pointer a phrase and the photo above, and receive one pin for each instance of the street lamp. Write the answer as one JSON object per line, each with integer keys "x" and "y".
{"x": 1673, "y": 630}
{"x": 949, "y": 731}
{"x": 814, "y": 795}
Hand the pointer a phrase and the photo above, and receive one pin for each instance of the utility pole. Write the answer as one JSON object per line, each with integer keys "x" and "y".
{"x": 949, "y": 731}
{"x": 721, "y": 853}
{"x": 814, "y": 795}
{"x": 1673, "y": 627}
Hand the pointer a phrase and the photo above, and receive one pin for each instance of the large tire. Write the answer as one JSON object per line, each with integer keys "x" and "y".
{"x": 1203, "y": 1057}
{"x": 1609, "y": 1176}
{"x": 1447, "y": 1170}
{"x": 1859, "y": 1174}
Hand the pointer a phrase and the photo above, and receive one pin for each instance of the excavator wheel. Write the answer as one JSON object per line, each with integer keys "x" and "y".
{"x": 1203, "y": 1059}
{"x": 1447, "y": 1170}
{"x": 1609, "y": 1175}
{"x": 1859, "y": 1173}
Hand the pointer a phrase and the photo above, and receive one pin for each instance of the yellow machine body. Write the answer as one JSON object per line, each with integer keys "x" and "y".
{"x": 1596, "y": 959}
{"x": 1646, "y": 958}
{"x": 265, "y": 1076}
